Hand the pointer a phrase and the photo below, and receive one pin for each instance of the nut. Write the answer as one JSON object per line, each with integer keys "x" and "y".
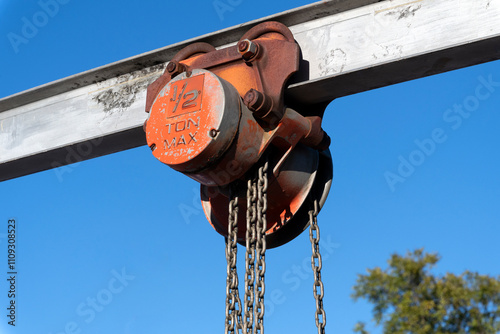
{"x": 249, "y": 50}
{"x": 174, "y": 68}
{"x": 261, "y": 105}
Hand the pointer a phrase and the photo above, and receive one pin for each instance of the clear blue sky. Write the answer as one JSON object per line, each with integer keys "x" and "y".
{"x": 76, "y": 235}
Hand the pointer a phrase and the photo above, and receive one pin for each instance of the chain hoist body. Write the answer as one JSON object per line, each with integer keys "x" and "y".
{"x": 220, "y": 117}
{"x": 213, "y": 115}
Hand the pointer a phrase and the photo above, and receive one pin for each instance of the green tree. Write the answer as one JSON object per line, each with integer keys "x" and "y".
{"x": 408, "y": 298}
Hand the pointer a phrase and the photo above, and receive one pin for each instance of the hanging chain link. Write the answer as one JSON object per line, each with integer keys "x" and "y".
{"x": 255, "y": 259}
{"x": 251, "y": 235}
{"x": 260, "y": 249}
{"x": 233, "y": 302}
{"x": 316, "y": 265}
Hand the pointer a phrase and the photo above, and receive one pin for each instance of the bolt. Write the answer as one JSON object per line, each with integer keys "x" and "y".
{"x": 249, "y": 50}
{"x": 243, "y": 45}
{"x": 261, "y": 106}
{"x": 171, "y": 67}
{"x": 253, "y": 100}
{"x": 212, "y": 133}
{"x": 174, "y": 68}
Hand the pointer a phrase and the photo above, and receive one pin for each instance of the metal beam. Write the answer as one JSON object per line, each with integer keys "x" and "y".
{"x": 348, "y": 47}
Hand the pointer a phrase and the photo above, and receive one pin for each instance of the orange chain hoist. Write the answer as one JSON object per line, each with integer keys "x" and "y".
{"x": 220, "y": 117}
{"x": 214, "y": 114}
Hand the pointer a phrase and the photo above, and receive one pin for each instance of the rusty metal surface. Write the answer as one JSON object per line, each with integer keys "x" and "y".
{"x": 319, "y": 192}
{"x": 268, "y": 71}
{"x": 214, "y": 114}
{"x": 259, "y": 79}
{"x": 250, "y": 143}
{"x": 306, "y": 173}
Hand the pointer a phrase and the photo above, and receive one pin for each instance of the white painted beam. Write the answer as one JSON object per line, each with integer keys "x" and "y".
{"x": 348, "y": 47}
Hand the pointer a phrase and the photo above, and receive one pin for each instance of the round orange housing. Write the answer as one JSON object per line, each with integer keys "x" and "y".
{"x": 193, "y": 120}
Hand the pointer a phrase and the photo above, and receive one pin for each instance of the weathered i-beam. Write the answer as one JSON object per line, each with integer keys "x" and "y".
{"x": 348, "y": 46}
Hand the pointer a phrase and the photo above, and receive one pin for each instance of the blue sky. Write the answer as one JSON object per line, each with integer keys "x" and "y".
{"x": 107, "y": 249}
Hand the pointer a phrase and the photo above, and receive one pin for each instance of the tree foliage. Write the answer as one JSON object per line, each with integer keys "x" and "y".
{"x": 408, "y": 298}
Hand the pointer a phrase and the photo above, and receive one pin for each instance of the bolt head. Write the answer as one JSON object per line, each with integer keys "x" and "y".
{"x": 174, "y": 68}
{"x": 213, "y": 133}
{"x": 248, "y": 49}
{"x": 243, "y": 45}
{"x": 171, "y": 67}
{"x": 253, "y": 99}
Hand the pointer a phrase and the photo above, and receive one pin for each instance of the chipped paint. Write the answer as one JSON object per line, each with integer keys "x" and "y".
{"x": 394, "y": 7}
{"x": 392, "y": 50}
{"x": 118, "y": 97}
{"x": 333, "y": 62}
{"x": 406, "y": 12}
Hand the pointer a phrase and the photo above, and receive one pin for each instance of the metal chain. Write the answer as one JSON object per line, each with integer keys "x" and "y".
{"x": 316, "y": 265}
{"x": 255, "y": 259}
{"x": 260, "y": 249}
{"x": 233, "y": 302}
{"x": 250, "y": 238}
